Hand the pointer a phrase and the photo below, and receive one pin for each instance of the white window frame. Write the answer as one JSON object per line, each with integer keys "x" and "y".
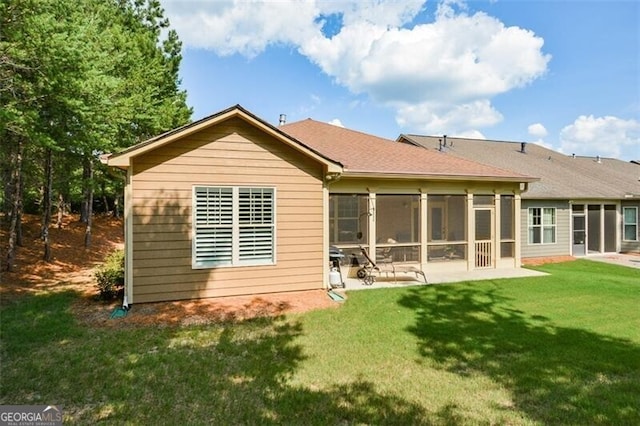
{"x": 625, "y": 223}
{"x": 247, "y": 224}
{"x": 542, "y": 226}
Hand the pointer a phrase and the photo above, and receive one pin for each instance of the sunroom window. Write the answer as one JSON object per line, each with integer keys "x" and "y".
{"x": 233, "y": 226}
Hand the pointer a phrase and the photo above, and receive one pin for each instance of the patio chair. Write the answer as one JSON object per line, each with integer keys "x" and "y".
{"x": 366, "y": 272}
{"x": 387, "y": 266}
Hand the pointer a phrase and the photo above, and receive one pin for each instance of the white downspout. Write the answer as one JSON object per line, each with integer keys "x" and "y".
{"x": 128, "y": 239}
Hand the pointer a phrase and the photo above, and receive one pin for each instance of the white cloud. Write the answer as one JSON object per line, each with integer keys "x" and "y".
{"x": 434, "y": 118}
{"x": 547, "y": 145}
{"x": 537, "y": 130}
{"x": 439, "y": 76}
{"x": 336, "y": 122}
{"x": 244, "y": 27}
{"x": 469, "y": 134}
{"x": 606, "y": 136}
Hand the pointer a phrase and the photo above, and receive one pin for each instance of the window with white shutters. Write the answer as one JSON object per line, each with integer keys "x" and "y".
{"x": 233, "y": 226}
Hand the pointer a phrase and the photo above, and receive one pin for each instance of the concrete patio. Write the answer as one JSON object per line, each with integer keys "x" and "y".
{"x": 408, "y": 279}
{"x": 629, "y": 260}
{"x": 405, "y": 280}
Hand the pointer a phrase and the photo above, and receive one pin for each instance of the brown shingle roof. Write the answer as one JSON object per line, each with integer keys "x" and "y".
{"x": 561, "y": 176}
{"x": 361, "y": 153}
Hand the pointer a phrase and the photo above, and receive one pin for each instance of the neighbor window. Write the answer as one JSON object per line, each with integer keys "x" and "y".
{"x": 233, "y": 226}
{"x": 542, "y": 225}
{"x": 630, "y": 218}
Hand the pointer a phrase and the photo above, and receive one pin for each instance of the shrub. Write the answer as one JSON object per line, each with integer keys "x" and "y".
{"x": 110, "y": 275}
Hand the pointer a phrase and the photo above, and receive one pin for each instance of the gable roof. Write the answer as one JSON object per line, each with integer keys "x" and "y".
{"x": 123, "y": 158}
{"x": 562, "y": 176}
{"x": 363, "y": 154}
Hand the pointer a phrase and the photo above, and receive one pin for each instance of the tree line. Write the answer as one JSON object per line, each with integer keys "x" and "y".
{"x": 78, "y": 78}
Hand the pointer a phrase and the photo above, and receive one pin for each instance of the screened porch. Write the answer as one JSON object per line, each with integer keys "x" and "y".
{"x": 432, "y": 231}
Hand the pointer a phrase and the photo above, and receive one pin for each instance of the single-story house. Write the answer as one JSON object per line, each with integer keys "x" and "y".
{"x": 580, "y": 205}
{"x": 232, "y": 205}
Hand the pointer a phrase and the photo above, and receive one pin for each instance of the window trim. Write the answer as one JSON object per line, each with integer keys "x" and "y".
{"x": 235, "y": 227}
{"x": 542, "y": 226}
{"x": 625, "y": 224}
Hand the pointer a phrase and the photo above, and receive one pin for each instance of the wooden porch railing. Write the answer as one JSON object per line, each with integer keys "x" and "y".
{"x": 484, "y": 258}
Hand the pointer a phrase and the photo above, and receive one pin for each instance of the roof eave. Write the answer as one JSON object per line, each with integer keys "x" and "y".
{"x": 123, "y": 159}
{"x": 407, "y": 139}
{"x": 443, "y": 177}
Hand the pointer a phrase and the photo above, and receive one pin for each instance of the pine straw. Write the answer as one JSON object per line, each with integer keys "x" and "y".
{"x": 537, "y": 261}
{"x": 73, "y": 267}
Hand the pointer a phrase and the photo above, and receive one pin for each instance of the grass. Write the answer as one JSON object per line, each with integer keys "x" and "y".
{"x": 559, "y": 349}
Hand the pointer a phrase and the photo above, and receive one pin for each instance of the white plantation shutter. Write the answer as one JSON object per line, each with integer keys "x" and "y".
{"x": 213, "y": 226}
{"x": 233, "y": 226}
{"x": 255, "y": 220}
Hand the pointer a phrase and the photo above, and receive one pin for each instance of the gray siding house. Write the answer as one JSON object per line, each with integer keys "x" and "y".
{"x": 580, "y": 205}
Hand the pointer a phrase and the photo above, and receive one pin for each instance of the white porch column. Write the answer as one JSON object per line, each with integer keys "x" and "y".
{"x": 601, "y": 228}
{"x": 325, "y": 236}
{"x": 424, "y": 232}
{"x": 128, "y": 236}
{"x": 497, "y": 238}
{"x": 471, "y": 233}
{"x": 372, "y": 210}
{"x": 517, "y": 230}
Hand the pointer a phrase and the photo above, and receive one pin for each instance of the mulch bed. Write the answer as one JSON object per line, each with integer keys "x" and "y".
{"x": 536, "y": 261}
{"x": 73, "y": 267}
{"x": 203, "y": 311}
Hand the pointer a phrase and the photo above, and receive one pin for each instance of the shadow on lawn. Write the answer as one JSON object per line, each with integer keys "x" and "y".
{"x": 556, "y": 375}
{"x": 228, "y": 373}
{"x": 242, "y": 377}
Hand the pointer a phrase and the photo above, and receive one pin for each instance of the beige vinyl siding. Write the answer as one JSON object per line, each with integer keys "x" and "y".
{"x": 629, "y": 246}
{"x": 563, "y": 230}
{"x": 236, "y": 154}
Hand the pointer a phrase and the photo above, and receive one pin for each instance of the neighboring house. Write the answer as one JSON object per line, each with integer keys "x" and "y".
{"x": 580, "y": 206}
{"x": 231, "y": 205}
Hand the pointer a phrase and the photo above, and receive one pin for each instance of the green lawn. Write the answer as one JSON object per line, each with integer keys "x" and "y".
{"x": 560, "y": 349}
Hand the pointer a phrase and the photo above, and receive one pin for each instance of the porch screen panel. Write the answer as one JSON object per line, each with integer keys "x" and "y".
{"x": 483, "y": 225}
{"x": 398, "y": 227}
{"x": 213, "y": 211}
{"x": 610, "y": 216}
{"x": 507, "y": 226}
{"x": 396, "y": 218}
{"x": 348, "y": 219}
{"x": 593, "y": 228}
{"x": 447, "y": 227}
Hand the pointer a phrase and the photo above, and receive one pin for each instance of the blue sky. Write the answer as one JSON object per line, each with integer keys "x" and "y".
{"x": 565, "y": 74}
